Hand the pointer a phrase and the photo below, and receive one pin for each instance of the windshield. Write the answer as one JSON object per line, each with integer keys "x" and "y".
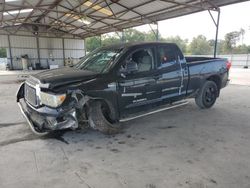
{"x": 99, "y": 61}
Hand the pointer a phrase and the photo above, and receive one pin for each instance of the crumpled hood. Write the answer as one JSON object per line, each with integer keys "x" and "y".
{"x": 61, "y": 76}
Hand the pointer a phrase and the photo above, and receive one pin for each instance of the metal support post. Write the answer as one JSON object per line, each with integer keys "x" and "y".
{"x": 63, "y": 48}
{"x": 156, "y": 33}
{"x": 38, "y": 50}
{"x": 10, "y": 52}
{"x": 216, "y": 23}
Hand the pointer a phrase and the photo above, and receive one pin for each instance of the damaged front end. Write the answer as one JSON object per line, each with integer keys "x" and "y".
{"x": 43, "y": 118}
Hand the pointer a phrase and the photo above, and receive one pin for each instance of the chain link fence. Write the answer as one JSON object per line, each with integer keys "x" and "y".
{"x": 238, "y": 60}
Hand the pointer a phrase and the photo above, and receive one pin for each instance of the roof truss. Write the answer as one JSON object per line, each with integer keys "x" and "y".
{"x": 85, "y": 18}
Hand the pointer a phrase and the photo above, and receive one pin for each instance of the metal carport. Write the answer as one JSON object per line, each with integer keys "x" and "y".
{"x": 84, "y": 18}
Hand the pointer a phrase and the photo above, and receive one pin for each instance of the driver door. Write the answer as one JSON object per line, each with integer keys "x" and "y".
{"x": 133, "y": 86}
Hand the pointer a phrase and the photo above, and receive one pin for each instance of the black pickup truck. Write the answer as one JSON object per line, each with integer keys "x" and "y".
{"x": 116, "y": 83}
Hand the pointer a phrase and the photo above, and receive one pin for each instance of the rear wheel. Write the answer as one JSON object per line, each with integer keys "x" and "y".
{"x": 207, "y": 95}
{"x": 99, "y": 118}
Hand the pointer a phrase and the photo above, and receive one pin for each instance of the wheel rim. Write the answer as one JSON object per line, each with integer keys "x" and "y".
{"x": 210, "y": 95}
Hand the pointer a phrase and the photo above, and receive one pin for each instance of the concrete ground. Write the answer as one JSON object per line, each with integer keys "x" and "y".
{"x": 184, "y": 147}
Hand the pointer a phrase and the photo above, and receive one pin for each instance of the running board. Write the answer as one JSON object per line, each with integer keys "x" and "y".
{"x": 173, "y": 105}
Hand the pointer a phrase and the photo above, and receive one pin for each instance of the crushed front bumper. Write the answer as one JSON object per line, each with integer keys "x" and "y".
{"x": 45, "y": 119}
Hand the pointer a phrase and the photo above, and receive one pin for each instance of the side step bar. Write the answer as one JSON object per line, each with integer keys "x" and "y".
{"x": 173, "y": 105}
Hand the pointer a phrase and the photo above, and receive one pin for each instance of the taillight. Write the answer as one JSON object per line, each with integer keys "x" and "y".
{"x": 228, "y": 65}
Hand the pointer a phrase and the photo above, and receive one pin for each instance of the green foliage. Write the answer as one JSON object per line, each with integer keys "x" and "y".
{"x": 241, "y": 49}
{"x": 200, "y": 46}
{"x": 3, "y": 53}
{"x": 182, "y": 43}
{"x": 229, "y": 44}
{"x": 109, "y": 40}
{"x": 151, "y": 36}
{"x": 133, "y": 35}
{"x": 92, "y": 43}
{"x": 231, "y": 39}
{"x": 220, "y": 47}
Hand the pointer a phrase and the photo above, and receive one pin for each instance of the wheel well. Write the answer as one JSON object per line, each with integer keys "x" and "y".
{"x": 216, "y": 80}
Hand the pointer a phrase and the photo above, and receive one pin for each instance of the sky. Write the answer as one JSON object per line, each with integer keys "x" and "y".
{"x": 233, "y": 18}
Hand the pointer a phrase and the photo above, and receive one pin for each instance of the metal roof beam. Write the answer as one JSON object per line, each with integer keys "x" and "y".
{"x": 164, "y": 15}
{"x": 80, "y": 27}
{"x": 2, "y": 11}
{"x": 124, "y": 11}
{"x": 87, "y": 29}
{"x": 182, "y": 4}
{"x": 28, "y": 17}
{"x": 71, "y": 10}
{"x": 56, "y": 2}
{"x": 170, "y": 9}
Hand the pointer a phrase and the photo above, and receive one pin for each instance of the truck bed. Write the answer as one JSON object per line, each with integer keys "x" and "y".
{"x": 197, "y": 60}
{"x": 201, "y": 68}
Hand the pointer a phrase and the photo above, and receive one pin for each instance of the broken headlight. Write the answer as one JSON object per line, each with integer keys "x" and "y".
{"x": 52, "y": 100}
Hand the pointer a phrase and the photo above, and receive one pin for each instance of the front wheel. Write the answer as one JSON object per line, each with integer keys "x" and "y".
{"x": 99, "y": 118}
{"x": 207, "y": 95}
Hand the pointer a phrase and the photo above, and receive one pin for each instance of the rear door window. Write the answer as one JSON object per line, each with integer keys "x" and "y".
{"x": 166, "y": 56}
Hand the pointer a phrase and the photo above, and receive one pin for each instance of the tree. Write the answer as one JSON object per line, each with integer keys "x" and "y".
{"x": 109, "y": 40}
{"x": 92, "y": 43}
{"x": 182, "y": 43}
{"x": 152, "y": 36}
{"x": 130, "y": 35}
{"x": 3, "y": 53}
{"x": 133, "y": 35}
{"x": 242, "y": 34}
{"x": 221, "y": 47}
{"x": 241, "y": 49}
{"x": 200, "y": 46}
{"x": 231, "y": 39}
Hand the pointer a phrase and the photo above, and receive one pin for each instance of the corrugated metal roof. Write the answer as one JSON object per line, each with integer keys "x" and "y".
{"x": 84, "y": 18}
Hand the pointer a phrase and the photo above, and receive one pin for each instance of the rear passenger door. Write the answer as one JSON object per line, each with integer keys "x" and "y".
{"x": 138, "y": 88}
{"x": 169, "y": 80}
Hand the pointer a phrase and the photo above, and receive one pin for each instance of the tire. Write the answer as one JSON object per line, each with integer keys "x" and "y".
{"x": 100, "y": 119}
{"x": 207, "y": 95}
